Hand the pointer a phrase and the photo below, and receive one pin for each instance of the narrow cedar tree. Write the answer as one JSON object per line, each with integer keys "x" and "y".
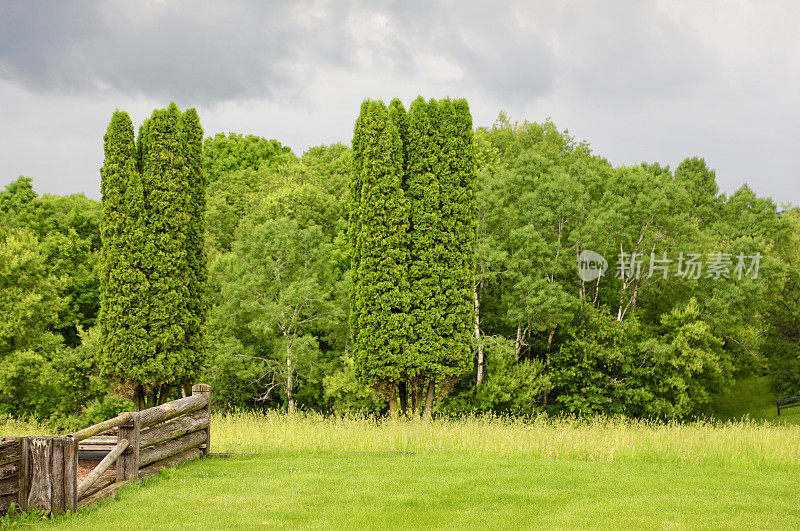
{"x": 167, "y": 195}
{"x": 160, "y": 222}
{"x": 380, "y": 293}
{"x": 425, "y": 244}
{"x": 397, "y": 115}
{"x": 451, "y": 360}
{"x": 463, "y": 168}
{"x": 353, "y": 223}
{"x": 124, "y": 283}
{"x": 196, "y": 251}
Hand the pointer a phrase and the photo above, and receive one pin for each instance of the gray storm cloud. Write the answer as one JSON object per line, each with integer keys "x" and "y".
{"x": 210, "y": 52}
{"x": 655, "y": 81}
{"x": 191, "y": 51}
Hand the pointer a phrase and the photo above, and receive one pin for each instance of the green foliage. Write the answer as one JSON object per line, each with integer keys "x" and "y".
{"x": 330, "y": 167}
{"x": 84, "y": 395}
{"x": 272, "y": 292}
{"x": 231, "y": 153}
{"x": 412, "y": 238}
{"x": 426, "y": 247}
{"x": 690, "y": 362}
{"x": 700, "y": 183}
{"x": 197, "y": 261}
{"x": 347, "y": 395}
{"x": 72, "y": 248}
{"x": 292, "y": 204}
{"x": 617, "y": 367}
{"x": 238, "y": 171}
{"x": 125, "y": 286}
{"x": 52, "y": 287}
{"x": 29, "y": 308}
{"x": 601, "y": 369}
{"x": 18, "y": 207}
{"x": 68, "y": 230}
{"x": 153, "y": 252}
{"x": 423, "y": 234}
{"x": 379, "y": 298}
{"x": 441, "y": 189}
{"x": 513, "y": 386}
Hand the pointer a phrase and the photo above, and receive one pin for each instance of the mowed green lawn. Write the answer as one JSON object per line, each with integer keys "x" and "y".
{"x": 400, "y": 491}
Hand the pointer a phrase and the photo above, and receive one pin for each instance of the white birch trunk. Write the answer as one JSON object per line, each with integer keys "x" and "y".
{"x": 290, "y": 378}
{"x": 478, "y": 337}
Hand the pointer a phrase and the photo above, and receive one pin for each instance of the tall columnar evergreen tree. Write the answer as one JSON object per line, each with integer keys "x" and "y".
{"x": 153, "y": 316}
{"x": 425, "y": 237}
{"x": 195, "y": 248}
{"x": 436, "y": 160}
{"x": 463, "y": 167}
{"x": 380, "y": 281}
{"x": 398, "y": 116}
{"x": 124, "y": 300}
{"x": 354, "y": 224}
{"x": 450, "y": 271}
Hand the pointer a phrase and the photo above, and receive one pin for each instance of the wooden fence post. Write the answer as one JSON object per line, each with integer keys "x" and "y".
{"x": 128, "y": 462}
{"x": 24, "y": 474}
{"x": 48, "y": 474}
{"x": 71, "y": 474}
{"x": 205, "y": 390}
{"x": 57, "y": 475}
{"x": 40, "y": 494}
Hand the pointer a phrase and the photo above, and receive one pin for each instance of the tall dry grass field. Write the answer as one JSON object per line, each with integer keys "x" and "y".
{"x": 600, "y": 439}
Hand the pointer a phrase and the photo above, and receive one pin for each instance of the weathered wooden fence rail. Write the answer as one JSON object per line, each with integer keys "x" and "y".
{"x": 41, "y": 473}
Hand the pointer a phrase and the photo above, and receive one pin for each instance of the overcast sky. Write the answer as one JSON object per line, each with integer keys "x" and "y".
{"x": 640, "y": 81}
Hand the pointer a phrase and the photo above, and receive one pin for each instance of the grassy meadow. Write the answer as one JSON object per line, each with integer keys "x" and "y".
{"x": 493, "y": 472}
{"x": 726, "y": 443}
{"x": 753, "y": 398}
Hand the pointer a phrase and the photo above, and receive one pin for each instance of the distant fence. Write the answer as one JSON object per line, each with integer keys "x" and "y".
{"x": 786, "y": 403}
{"x": 41, "y": 473}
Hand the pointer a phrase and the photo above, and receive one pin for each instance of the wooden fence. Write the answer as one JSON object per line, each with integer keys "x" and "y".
{"x": 41, "y": 473}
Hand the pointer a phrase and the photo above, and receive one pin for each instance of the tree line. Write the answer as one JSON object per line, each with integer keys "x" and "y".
{"x": 278, "y": 242}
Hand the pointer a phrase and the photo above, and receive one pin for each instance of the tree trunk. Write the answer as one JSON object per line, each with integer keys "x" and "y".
{"x": 159, "y": 393}
{"x": 393, "y": 403}
{"x": 414, "y": 401}
{"x": 547, "y": 353}
{"x": 518, "y": 343}
{"x": 596, "y": 293}
{"x": 403, "y": 398}
{"x": 429, "y": 401}
{"x": 289, "y": 379}
{"x": 478, "y": 339}
{"x": 138, "y": 397}
{"x": 620, "y": 311}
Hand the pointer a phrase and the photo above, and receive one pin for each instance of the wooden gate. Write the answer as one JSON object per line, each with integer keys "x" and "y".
{"x": 41, "y": 473}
